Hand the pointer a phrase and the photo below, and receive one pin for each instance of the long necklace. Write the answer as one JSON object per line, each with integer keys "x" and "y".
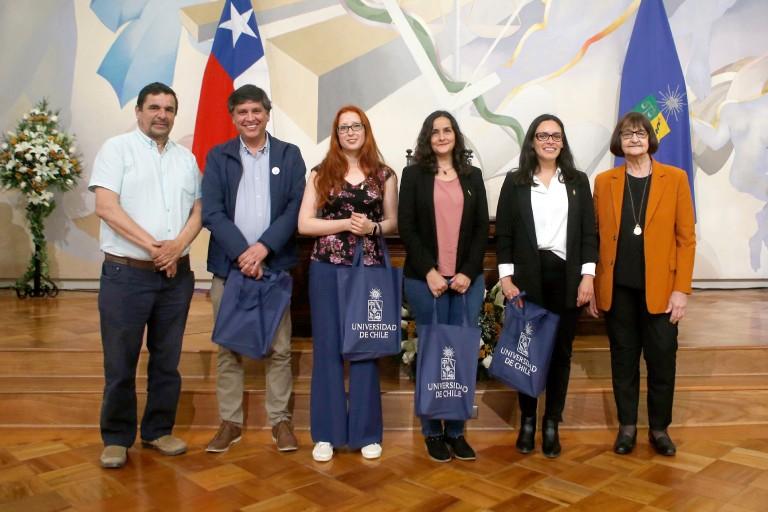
{"x": 638, "y": 230}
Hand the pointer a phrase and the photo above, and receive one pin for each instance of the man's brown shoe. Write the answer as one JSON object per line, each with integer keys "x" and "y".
{"x": 167, "y": 445}
{"x": 229, "y": 433}
{"x": 282, "y": 435}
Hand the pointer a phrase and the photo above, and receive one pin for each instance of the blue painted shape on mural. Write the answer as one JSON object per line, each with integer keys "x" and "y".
{"x": 114, "y": 13}
{"x": 146, "y": 50}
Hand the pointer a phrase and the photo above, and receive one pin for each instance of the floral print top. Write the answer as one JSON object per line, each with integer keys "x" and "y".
{"x": 367, "y": 198}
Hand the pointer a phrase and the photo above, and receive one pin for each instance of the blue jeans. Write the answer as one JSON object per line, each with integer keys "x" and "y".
{"x": 450, "y": 310}
{"x": 130, "y": 301}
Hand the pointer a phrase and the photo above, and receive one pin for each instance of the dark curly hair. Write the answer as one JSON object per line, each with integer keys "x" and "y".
{"x": 529, "y": 161}
{"x": 425, "y": 156}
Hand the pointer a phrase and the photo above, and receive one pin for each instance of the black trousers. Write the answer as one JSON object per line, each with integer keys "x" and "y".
{"x": 130, "y": 301}
{"x": 632, "y": 330}
{"x": 553, "y": 285}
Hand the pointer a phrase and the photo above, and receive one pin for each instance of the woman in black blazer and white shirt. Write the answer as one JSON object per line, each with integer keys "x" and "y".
{"x": 443, "y": 219}
{"x": 547, "y": 246}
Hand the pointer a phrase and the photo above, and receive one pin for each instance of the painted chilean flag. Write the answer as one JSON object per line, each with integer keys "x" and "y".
{"x": 237, "y": 58}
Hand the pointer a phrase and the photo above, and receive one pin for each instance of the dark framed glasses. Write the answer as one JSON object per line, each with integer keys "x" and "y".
{"x": 544, "y": 136}
{"x": 628, "y": 134}
{"x": 353, "y": 128}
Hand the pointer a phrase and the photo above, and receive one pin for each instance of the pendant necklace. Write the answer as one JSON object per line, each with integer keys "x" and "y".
{"x": 638, "y": 230}
{"x": 445, "y": 170}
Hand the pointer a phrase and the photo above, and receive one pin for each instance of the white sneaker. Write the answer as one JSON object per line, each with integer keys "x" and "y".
{"x": 371, "y": 451}
{"x": 322, "y": 452}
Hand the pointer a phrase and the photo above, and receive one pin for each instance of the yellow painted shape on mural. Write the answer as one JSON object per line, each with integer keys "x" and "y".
{"x": 747, "y": 84}
{"x": 660, "y": 126}
{"x": 327, "y": 45}
{"x": 531, "y": 30}
{"x": 579, "y": 55}
{"x": 305, "y": 63}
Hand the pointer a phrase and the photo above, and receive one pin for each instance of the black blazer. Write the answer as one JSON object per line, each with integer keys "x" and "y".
{"x": 516, "y": 236}
{"x": 416, "y": 222}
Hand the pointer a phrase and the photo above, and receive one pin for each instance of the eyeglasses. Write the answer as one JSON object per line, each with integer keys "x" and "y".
{"x": 544, "y": 136}
{"x": 354, "y": 128}
{"x": 640, "y": 134}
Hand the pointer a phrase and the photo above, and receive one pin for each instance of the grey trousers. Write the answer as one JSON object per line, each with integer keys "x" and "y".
{"x": 230, "y": 372}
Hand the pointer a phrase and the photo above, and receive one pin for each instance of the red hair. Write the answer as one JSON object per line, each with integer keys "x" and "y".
{"x": 333, "y": 168}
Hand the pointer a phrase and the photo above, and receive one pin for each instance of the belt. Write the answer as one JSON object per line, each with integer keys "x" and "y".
{"x": 142, "y": 264}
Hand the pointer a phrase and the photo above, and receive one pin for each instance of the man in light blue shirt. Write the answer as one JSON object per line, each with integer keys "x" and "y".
{"x": 148, "y": 198}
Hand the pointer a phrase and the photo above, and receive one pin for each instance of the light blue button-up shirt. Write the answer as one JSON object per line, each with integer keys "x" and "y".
{"x": 157, "y": 190}
{"x": 253, "y": 203}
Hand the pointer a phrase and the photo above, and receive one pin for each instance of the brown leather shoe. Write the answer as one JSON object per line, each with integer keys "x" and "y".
{"x": 282, "y": 435}
{"x": 228, "y": 434}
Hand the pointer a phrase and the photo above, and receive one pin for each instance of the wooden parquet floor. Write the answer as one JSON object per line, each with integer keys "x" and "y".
{"x": 716, "y": 469}
{"x": 51, "y": 377}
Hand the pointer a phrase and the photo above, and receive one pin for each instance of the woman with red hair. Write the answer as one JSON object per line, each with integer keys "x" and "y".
{"x": 350, "y": 196}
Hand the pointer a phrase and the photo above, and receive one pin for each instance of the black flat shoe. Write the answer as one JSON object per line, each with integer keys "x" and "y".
{"x": 526, "y": 435}
{"x": 662, "y": 444}
{"x": 625, "y": 442}
{"x": 460, "y": 448}
{"x": 550, "y": 439}
{"x": 437, "y": 449}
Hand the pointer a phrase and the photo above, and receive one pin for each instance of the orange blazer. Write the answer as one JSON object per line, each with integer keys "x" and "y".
{"x": 670, "y": 238}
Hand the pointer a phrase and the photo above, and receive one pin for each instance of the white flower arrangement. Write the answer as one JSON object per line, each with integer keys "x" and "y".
{"x": 33, "y": 159}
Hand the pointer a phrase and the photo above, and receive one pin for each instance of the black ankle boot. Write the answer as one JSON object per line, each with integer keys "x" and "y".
{"x": 625, "y": 440}
{"x": 526, "y": 435}
{"x": 550, "y": 439}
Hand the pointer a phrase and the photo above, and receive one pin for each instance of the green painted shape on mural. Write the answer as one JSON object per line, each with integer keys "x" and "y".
{"x": 382, "y": 16}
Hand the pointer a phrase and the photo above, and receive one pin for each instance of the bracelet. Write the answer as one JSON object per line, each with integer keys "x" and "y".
{"x": 373, "y": 231}
{"x": 378, "y": 229}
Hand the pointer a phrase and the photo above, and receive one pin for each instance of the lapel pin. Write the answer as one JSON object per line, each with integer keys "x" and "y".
{"x": 275, "y": 171}
{"x": 573, "y": 192}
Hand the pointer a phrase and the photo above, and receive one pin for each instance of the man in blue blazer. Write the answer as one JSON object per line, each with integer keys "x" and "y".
{"x": 252, "y": 188}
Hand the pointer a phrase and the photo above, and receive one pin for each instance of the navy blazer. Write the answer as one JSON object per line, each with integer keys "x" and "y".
{"x": 516, "y": 236}
{"x": 416, "y": 223}
{"x": 223, "y": 170}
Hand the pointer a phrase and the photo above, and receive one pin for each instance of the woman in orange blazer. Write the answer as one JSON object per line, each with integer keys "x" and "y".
{"x": 645, "y": 221}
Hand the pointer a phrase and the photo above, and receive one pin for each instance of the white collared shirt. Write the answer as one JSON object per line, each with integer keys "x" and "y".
{"x": 550, "y": 220}
{"x": 157, "y": 190}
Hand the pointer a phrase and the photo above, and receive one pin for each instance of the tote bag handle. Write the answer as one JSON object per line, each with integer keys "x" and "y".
{"x": 465, "y": 316}
{"x": 357, "y": 260}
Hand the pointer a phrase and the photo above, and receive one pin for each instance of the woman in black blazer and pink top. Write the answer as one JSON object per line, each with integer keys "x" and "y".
{"x": 443, "y": 220}
{"x": 547, "y": 247}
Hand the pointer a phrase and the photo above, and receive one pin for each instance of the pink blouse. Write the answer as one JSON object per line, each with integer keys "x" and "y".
{"x": 449, "y": 204}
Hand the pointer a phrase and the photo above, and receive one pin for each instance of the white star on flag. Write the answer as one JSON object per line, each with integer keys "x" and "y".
{"x": 238, "y": 24}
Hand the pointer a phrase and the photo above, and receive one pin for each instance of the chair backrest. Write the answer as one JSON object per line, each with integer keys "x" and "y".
{"x": 467, "y": 154}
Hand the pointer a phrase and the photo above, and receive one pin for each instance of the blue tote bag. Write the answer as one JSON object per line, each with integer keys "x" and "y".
{"x": 371, "y": 299}
{"x": 522, "y": 355}
{"x": 250, "y": 312}
{"x": 446, "y": 369}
